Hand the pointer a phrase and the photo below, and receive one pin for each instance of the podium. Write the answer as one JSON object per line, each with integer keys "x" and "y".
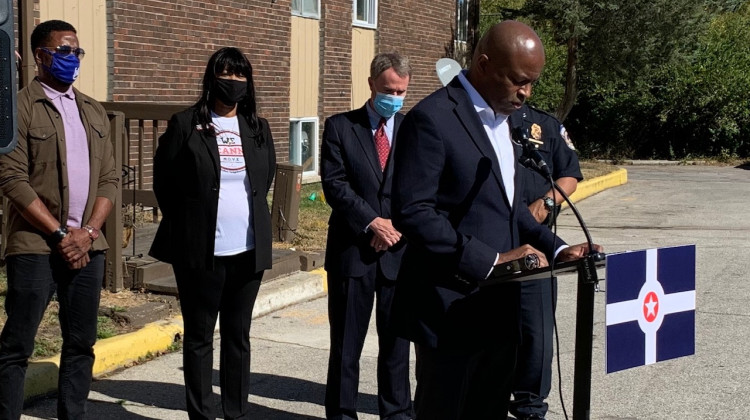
{"x": 587, "y": 281}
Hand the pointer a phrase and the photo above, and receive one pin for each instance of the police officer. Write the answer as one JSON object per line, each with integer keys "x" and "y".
{"x": 533, "y": 376}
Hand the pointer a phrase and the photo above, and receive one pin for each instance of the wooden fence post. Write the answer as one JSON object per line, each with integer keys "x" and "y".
{"x": 113, "y": 226}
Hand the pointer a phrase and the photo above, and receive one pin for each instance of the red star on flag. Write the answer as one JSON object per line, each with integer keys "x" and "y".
{"x": 651, "y": 307}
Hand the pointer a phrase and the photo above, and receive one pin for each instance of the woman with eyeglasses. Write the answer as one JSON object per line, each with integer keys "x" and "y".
{"x": 212, "y": 172}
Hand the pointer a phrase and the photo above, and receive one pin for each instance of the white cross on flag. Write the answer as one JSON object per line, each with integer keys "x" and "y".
{"x": 650, "y": 313}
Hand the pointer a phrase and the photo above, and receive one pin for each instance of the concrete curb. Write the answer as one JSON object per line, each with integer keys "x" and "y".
{"x": 111, "y": 354}
{"x": 117, "y": 352}
{"x": 589, "y": 187}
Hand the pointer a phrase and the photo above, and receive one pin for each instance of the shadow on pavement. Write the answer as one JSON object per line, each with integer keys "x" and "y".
{"x": 168, "y": 396}
{"x": 294, "y": 389}
{"x": 95, "y": 410}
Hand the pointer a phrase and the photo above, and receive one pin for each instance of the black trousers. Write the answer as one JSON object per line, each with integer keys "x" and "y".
{"x": 350, "y": 304}
{"x": 230, "y": 288}
{"x": 32, "y": 281}
{"x": 533, "y": 379}
{"x": 469, "y": 375}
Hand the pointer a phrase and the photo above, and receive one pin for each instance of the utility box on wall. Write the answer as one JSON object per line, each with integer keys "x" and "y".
{"x": 285, "y": 206}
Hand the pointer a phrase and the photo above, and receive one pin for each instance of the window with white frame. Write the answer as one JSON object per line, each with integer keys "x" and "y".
{"x": 366, "y": 13}
{"x": 306, "y": 8}
{"x": 303, "y": 144}
{"x": 462, "y": 20}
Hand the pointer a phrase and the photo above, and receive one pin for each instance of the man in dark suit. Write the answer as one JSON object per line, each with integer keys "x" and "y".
{"x": 456, "y": 198}
{"x": 364, "y": 250}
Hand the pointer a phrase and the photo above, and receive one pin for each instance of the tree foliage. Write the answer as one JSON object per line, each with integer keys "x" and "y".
{"x": 643, "y": 78}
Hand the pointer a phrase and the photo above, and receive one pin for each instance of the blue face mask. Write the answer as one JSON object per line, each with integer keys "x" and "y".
{"x": 64, "y": 67}
{"x": 387, "y": 105}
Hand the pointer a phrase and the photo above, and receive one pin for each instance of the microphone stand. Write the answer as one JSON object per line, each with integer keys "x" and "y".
{"x": 587, "y": 284}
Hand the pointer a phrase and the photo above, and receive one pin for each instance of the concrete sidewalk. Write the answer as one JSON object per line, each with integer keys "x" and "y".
{"x": 127, "y": 349}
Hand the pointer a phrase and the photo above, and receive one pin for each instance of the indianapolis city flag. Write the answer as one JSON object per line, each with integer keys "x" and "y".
{"x": 650, "y": 313}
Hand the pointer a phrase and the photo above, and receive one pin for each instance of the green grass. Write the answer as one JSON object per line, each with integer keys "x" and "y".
{"x": 312, "y": 226}
{"x": 105, "y": 328}
{"x": 46, "y": 347}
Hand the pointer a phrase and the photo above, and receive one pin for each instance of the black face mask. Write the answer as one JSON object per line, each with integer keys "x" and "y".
{"x": 229, "y": 92}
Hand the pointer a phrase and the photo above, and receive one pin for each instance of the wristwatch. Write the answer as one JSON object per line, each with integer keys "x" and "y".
{"x": 92, "y": 231}
{"x": 525, "y": 263}
{"x": 549, "y": 203}
{"x": 58, "y": 235}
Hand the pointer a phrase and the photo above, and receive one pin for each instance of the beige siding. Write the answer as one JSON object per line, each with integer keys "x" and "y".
{"x": 89, "y": 17}
{"x": 305, "y": 67}
{"x": 363, "y": 50}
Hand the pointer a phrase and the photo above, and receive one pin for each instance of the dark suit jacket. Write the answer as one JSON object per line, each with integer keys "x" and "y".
{"x": 357, "y": 191}
{"x": 449, "y": 200}
{"x": 186, "y": 184}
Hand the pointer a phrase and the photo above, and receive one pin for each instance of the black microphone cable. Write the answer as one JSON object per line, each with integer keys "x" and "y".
{"x": 553, "y": 297}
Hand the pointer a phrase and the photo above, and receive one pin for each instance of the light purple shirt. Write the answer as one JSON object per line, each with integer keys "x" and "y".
{"x": 76, "y": 153}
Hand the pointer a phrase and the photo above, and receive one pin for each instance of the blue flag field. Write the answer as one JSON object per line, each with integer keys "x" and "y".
{"x": 650, "y": 312}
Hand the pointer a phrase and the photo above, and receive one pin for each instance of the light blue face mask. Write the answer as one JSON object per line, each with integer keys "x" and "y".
{"x": 387, "y": 105}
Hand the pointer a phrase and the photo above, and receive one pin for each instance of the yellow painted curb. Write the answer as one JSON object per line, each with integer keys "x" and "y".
{"x": 111, "y": 354}
{"x": 323, "y": 277}
{"x": 589, "y": 187}
{"x": 115, "y": 352}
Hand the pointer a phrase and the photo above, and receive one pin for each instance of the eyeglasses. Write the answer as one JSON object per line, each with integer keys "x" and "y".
{"x": 66, "y": 50}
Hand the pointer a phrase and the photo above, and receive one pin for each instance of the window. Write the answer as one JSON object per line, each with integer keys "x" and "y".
{"x": 303, "y": 144}
{"x": 366, "y": 13}
{"x": 306, "y": 8}
{"x": 462, "y": 20}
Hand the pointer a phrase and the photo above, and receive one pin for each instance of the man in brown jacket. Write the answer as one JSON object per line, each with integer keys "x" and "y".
{"x": 61, "y": 183}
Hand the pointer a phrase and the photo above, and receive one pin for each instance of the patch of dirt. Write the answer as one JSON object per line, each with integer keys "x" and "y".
{"x": 130, "y": 310}
{"x": 593, "y": 168}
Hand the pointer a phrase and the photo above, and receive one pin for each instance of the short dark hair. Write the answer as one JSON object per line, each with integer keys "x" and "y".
{"x": 42, "y": 31}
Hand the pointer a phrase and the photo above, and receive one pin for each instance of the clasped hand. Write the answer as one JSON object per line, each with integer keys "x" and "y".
{"x": 385, "y": 235}
{"x": 75, "y": 247}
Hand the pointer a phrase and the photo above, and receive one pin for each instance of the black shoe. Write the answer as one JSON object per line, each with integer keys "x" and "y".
{"x": 531, "y": 417}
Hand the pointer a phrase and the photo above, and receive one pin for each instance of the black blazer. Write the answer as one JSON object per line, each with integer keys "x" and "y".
{"x": 357, "y": 191}
{"x": 186, "y": 184}
{"x": 449, "y": 200}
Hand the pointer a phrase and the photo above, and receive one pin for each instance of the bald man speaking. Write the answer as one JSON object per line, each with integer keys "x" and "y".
{"x": 456, "y": 198}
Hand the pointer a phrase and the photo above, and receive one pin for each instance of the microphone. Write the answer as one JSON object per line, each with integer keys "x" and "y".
{"x": 530, "y": 158}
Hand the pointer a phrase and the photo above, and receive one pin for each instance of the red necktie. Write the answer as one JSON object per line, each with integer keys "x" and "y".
{"x": 381, "y": 144}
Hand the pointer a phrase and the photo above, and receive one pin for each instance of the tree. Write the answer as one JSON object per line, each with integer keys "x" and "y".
{"x": 619, "y": 72}
{"x": 705, "y": 108}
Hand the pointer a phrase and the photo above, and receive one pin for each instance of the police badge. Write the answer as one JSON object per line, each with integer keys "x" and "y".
{"x": 536, "y": 135}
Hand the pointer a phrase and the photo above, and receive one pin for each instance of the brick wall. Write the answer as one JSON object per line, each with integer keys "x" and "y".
{"x": 160, "y": 50}
{"x": 420, "y": 30}
{"x": 415, "y": 28}
{"x": 336, "y": 57}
